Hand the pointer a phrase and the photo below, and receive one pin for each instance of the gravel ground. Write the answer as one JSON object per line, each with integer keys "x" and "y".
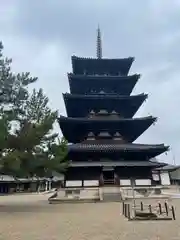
{"x": 32, "y": 218}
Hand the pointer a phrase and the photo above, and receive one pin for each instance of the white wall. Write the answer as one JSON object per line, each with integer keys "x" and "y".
{"x": 155, "y": 176}
{"x": 165, "y": 180}
{"x": 125, "y": 182}
{"x": 73, "y": 183}
{"x": 143, "y": 182}
{"x": 89, "y": 183}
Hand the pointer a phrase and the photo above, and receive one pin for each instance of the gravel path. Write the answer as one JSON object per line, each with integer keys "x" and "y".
{"x": 32, "y": 218}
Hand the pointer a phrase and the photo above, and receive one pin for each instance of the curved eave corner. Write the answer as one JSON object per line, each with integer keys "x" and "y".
{"x": 65, "y": 98}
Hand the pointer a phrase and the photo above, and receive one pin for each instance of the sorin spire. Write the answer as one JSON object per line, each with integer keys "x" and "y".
{"x": 99, "y": 44}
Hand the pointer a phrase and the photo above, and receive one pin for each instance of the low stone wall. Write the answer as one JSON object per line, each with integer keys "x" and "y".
{"x": 142, "y": 192}
{"x": 76, "y": 194}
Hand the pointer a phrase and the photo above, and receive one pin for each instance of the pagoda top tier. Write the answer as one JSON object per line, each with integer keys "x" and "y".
{"x": 101, "y": 66}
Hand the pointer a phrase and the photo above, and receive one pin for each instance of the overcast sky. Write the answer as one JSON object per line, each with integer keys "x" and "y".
{"x": 41, "y": 36}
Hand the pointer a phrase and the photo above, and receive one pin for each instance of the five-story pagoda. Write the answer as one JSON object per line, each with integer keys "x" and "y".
{"x": 100, "y": 126}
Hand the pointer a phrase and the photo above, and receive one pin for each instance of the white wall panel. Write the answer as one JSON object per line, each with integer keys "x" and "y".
{"x": 165, "y": 180}
{"x": 88, "y": 183}
{"x": 125, "y": 182}
{"x": 143, "y": 182}
{"x": 73, "y": 183}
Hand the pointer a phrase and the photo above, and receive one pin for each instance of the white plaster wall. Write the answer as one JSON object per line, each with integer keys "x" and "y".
{"x": 143, "y": 182}
{"x": 125, "y": 182}
{"x": 89, "y": 183}
{"x": 74, "y": 183}
{"x": 155, "y": 177}
{"x": 165, "y": 180}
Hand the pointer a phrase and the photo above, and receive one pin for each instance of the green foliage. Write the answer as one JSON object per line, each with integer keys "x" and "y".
{"x": 3, "y": 133}
{"x": 27, "y": 145}
{"x": 36, "y": 108}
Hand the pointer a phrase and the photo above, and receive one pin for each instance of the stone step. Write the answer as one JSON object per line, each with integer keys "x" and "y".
{"x": 110, "y": 189}
{"x": 66, "y": 200}
{"x": 112, "y": 197}
{"x": 76, "y": 195}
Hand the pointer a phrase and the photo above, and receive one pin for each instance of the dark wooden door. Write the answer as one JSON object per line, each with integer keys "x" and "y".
{"x": 108, "y": 175}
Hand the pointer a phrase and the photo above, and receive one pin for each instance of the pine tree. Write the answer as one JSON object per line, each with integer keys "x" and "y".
{"x": 27, "y": 145}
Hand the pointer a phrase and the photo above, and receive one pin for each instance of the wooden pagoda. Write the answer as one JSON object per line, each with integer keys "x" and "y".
{"x": 100, "y": 125}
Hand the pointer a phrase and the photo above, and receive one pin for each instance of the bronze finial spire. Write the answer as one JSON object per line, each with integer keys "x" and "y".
{"x": 99, "y": 44}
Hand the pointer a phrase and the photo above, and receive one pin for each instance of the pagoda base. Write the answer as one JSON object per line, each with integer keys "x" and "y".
{"x": 92, "y": 177}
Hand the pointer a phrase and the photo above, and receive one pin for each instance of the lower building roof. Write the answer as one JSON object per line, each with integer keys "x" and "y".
{"x": 168, "y": 167}
{"x": 117, "y": 151}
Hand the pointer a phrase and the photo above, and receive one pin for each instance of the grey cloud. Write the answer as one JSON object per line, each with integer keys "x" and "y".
{"x": 133, "y": 24}
{"x": 41, "y": 35}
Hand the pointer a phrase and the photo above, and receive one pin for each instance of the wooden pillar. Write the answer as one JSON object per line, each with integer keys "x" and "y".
{"x": 116, "y": 179}
{"x": 101, "y": 180}
{"x": 46, "y": 185}
{"x": 50, "y": 184}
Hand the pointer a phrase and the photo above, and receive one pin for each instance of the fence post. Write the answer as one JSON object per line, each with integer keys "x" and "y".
{"x": 123, "y": 208}
{"x": 166, "y": 208}
{"x": 128, "y": 211}
{"x": 160, "y": 208}
{"x": 173, "y": 213}
{"x": 150, "y": 208}
{"x": 141, "y": 206}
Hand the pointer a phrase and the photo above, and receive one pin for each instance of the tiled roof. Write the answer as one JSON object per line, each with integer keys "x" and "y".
{"x": 103, "y": 59}
{"x": 101, "y": 66}
{"x": 168, "y": 167}
{"x": 114, "y": 147}
{"x": 116, "y": 164}
{"x": 105, "y": 95}
{"x": 103, "y": 77}
{"x": 70, "y": 119}
{"x": 76, "y": 129}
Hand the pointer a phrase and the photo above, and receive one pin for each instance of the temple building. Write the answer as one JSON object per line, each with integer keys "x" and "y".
{"x": 100, "y": 125}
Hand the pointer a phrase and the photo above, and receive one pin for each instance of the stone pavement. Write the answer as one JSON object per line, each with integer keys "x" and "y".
{"x": 25, "y": 217}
